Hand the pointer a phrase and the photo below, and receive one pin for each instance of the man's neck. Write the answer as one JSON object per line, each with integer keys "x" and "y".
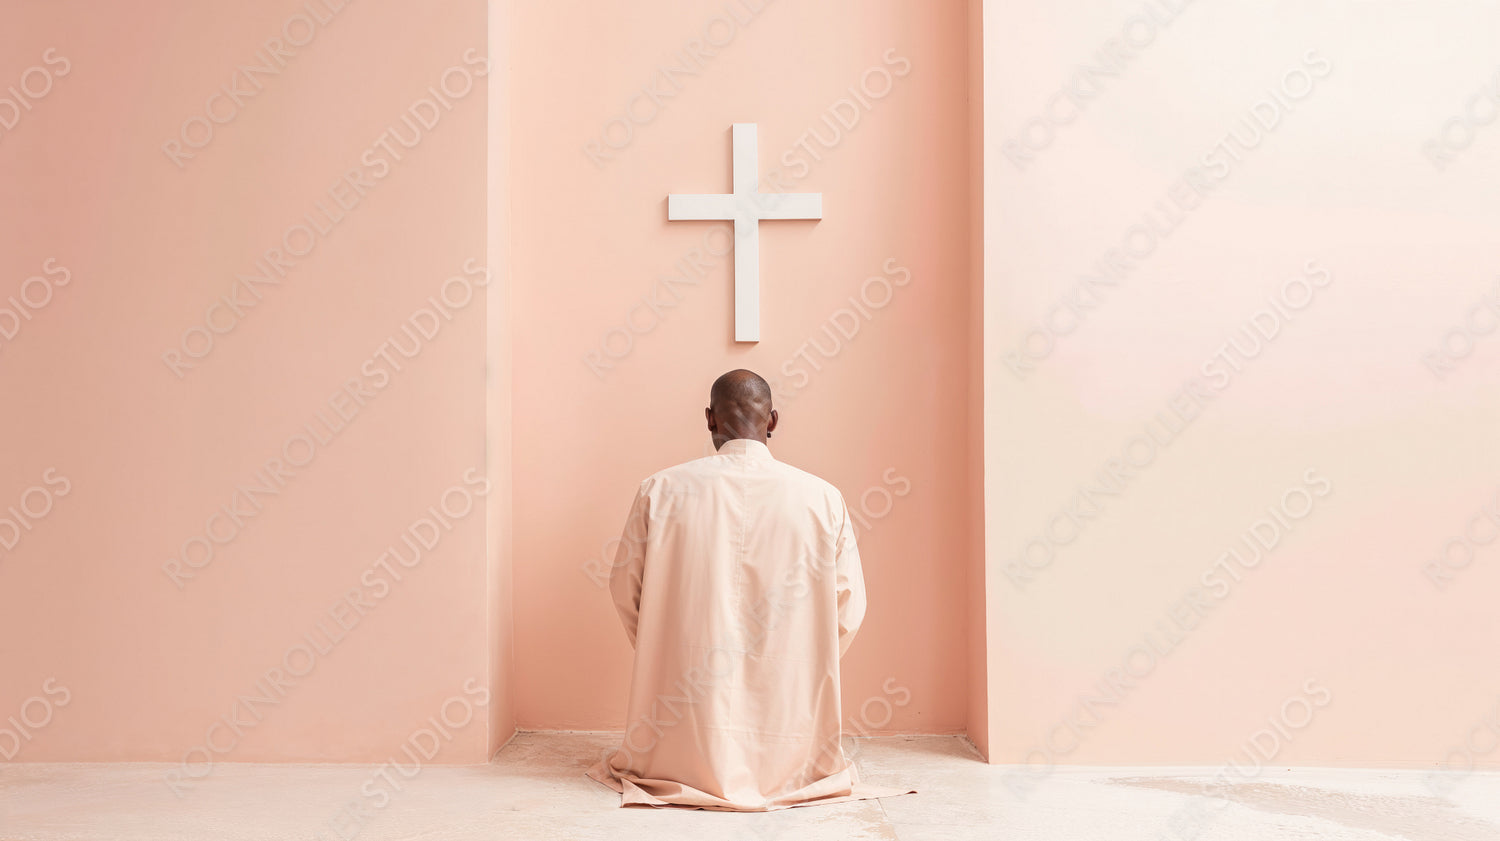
{"x": 757, "y": 439}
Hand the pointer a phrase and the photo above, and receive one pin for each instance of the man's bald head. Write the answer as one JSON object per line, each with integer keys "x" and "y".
{"x": 742, "y": 387}
{"x": 739, "y": 406}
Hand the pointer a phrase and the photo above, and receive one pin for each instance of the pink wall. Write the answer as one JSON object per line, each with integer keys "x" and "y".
{"x": 133, "y": 251}
{"x": 882, "y": 419}
{"x": 501, "y": 632}
{"x": 977, "y": 626}
{"x": 1402, "y": 458}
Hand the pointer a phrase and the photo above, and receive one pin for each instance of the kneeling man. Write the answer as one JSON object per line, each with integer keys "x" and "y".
{"x": 739, "y": 584}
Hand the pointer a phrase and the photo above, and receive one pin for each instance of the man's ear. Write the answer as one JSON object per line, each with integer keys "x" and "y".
{"x": 771, "y": 427}
{"x": 708, "y": 415}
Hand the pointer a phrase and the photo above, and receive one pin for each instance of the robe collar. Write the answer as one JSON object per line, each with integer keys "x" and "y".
{"x": 745, "y": 447}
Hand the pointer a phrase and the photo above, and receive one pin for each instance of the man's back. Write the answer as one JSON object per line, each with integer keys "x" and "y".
{"x": 739, "y": 583}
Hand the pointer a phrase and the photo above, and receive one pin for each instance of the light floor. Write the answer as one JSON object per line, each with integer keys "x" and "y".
{"x": 535, "y": 789}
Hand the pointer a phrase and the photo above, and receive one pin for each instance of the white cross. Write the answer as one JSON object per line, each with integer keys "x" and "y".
{"x": 746, "y": 207}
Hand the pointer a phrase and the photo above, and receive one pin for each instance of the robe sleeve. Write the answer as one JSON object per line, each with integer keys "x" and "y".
{"x": 850, "y": 583}
{"x": 629, "y": 567}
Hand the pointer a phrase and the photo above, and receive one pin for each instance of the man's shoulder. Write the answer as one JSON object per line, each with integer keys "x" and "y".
{"x": 686, "y": 473}
{"x": 810, "y": 481}
{"x": 699, "y": 470}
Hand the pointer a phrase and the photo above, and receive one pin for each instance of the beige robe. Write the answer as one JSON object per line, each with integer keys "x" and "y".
{"x": 739, "y": 584}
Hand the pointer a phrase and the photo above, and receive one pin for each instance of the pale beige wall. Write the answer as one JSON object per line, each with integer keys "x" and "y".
{"x": 1374, "y": 252}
